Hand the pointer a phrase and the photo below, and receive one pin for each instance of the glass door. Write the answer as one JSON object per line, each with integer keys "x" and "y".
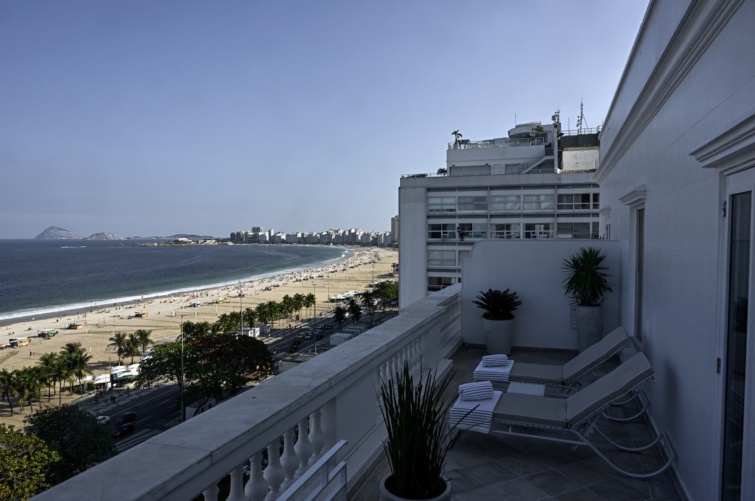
{"x": 739, "y": 221}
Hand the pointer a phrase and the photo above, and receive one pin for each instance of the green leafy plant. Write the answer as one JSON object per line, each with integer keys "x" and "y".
{"x": 415, "y": 417}
{"x": 587, "y": 280}
{"x": 498, "y": 305}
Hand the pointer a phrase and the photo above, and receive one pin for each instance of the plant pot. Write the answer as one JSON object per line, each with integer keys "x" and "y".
{"x": 589, "y": 326}
{"x": 386, "y": 495}
{"x": 499, "y": 335}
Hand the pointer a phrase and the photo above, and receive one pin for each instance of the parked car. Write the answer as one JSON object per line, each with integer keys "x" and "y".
{"x": 128, "y": 417}
{"x": 103, "y": 419}
{"x": 122, "y": 430}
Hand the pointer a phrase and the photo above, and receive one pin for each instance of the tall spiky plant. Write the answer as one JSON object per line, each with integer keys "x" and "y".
{"x": 415, "y": 417}
{"x": 587, "y": 280}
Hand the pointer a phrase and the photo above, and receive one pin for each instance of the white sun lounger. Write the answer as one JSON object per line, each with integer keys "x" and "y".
{"x": 569, "y": 373}
{"x": 573, "y": 419}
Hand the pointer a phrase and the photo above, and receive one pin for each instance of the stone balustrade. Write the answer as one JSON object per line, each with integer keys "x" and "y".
{"x": 287, "y": 423}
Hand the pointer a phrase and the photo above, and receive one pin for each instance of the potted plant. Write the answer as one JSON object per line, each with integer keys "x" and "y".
{"x": 497, "y": 319}
{"x": 415, "y": 415}
{"x": 587, "y": 283}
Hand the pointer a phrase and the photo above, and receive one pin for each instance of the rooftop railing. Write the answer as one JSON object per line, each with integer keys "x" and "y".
{"x": 504, "y": 142}
{"x": 322, "y": 416}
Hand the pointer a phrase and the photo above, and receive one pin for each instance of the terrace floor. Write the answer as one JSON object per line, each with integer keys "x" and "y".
{"x": 486, "y": 467}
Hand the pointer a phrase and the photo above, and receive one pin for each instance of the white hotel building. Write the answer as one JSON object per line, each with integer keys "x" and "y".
{"x": 517, "y": 187}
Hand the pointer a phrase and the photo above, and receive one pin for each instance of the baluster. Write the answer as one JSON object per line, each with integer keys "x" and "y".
{"x": 303, "y": 448}
{"x": 211, "y": 493}
{"x": 316, "y": 436}
{"x": 274, "y": 473}
{"x": 256, "y": 488}
{"x": 289, "y": 460}
{"x": 237, "y": 485}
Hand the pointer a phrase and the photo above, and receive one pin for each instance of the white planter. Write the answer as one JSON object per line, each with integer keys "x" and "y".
{"x": 589, "y": 326}
{"x": 388, "y": 496}
{"x": 499, "y": 335}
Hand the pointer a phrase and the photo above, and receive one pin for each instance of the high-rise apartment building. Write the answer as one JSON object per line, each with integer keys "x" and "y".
{"x": 535, "y": 183}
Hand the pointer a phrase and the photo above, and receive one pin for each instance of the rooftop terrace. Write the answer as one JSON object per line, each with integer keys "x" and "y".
{"x": 331, "y": 401}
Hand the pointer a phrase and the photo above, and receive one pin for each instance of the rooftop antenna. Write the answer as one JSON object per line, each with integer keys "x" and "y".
{"x": 581, "y": 120}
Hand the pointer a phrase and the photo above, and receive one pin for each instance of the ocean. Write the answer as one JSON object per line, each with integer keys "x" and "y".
{"x": 43, "y": 277}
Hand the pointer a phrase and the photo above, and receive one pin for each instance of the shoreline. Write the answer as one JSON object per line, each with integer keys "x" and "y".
{"x": 163, "y": 316}
{"x": 45, "y": 313}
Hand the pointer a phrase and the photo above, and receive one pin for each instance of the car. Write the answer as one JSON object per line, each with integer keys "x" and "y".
{"x": 122, "y": 430}
{"x": 125, "y": 418}
{"x": 318, "y": 336}
{"x": 328, "y": 326}
{"x": 293, "y": 348}
{"x": 308, "y": 335}
{"x": 103, "y": 419}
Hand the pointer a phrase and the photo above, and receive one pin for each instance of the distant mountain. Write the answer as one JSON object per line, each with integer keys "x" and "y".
{"x": 104, "y": 236}
{"x": 55, "y": 233}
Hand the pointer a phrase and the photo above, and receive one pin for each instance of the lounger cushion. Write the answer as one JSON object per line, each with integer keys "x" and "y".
{"x": 538, "y": 373}
{"x": 608, "y": 388}
{"x": 531, "y": 409}
{"x": 595, "y": 355}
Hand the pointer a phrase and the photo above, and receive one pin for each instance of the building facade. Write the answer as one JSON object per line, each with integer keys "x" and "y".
{"x": 677, "y": 179}
{"x": 518, "y": 187}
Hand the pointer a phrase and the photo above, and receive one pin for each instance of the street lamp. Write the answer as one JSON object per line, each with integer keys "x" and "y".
{"x": 183, "y": 382}
{"x": 314, "y": 286}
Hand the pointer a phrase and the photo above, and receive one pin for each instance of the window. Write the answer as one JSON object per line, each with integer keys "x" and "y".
{"x": 577, "y": 230}
{"x": 440, "y": 231}
{"x": 474, "y": 230}
{"x": 578, "y": 201}
{"x": 538, "y": 230}
{"x": 505, "y": 202}
{"x": 507, "y": 230}
{"x": 437, "y": 283}
{"x": 538, "y": 202}
{"x": 473, "y": 203}
{"x": 441, "y": 258}
{"x": 441, "y": 204}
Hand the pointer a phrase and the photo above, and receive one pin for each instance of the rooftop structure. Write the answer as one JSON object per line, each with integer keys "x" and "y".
{"x": 517, "y": 187}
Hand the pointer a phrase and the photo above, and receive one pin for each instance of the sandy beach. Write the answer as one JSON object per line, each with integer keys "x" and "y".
{"x": 162, "y": 316}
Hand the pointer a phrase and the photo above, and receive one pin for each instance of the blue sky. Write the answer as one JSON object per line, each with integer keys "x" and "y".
{"x": 147, "y": 117}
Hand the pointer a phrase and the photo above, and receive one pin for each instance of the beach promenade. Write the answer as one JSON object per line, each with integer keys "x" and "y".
{"x": 162, "y": 316}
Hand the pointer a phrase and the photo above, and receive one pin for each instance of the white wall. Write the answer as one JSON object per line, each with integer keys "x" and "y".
{"x": 651, "y": 145}
{"x": 412, "y": 247}
{"x": 532, "y": 268}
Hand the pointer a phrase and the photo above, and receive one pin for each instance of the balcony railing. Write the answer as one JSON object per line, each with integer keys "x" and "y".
{"x": 329, "y": 403}
{"x": 503, "y": 142}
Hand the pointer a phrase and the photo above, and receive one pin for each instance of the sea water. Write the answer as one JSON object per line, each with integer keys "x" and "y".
{"x": 41, "y": 277}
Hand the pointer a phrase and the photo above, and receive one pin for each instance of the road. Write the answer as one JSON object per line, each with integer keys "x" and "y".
{"x": 158, "y": 409}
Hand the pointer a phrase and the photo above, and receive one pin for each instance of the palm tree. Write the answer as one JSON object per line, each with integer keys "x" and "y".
{"x": 132, "y": 346}
{"x": 48, "y": 361}
{"x": 368, "y": 302}
{"x": 309, "y": 300}
{"x": 355, "y": 310}
{"x": 119, "y": 341}
{"x": 8, "y": 387}
{"x": 28, "y": 386}
{"x": 76, "y": 360}
{"x": 339, "y": 315}
{"x": 457, "y": 135}
{"x": 299, "y": 303}
{"x": 144, "y": 338}
{"x": 61, "y": 373}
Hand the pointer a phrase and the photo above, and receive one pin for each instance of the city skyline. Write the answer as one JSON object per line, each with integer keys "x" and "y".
{"x": 151, "y": 119}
